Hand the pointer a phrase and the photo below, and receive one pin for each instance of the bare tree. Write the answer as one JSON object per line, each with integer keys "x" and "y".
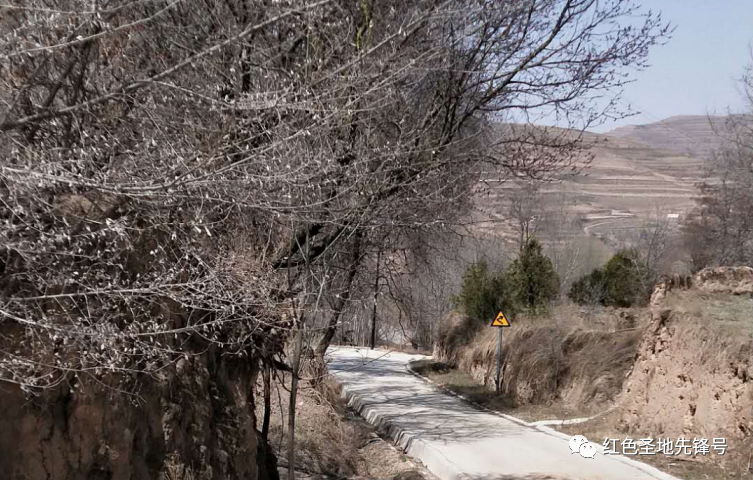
{"x": 720, "y": 229}
{"x": 525, "y": 210}
{"x": 561, "y": 230}
{"x": 657, "y": 244}
{"x": 173, "y": 173}
{"x": 654, "y": 242}
{"x": 422, "y": 275}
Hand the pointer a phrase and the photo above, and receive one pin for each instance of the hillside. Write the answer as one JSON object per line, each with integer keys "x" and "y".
{"x": 631, "y": 178}
{"x": 625, "y": 176}
{"x": 645, "y": 170}
{"x": 638, "y": 174}
{"x": 694, "y": 135}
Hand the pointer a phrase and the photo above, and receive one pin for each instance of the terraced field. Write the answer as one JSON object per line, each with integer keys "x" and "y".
{"x": 629, "y": 177}
{"x": 695, "y": 135}
{"x": 638, "y": 174}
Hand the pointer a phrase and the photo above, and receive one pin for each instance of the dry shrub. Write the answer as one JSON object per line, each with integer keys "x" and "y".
{"x": 577, "y": 355}
{"x": 459, "y": 332}
{"x": 325, "y": 442}
{"x": 330, "y": 392}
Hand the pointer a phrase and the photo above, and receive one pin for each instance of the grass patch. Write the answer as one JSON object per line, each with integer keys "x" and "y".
{"x": 331, "y": 440}
{"x": 730, "y": 313}
{"x": 680, "y": 466}
{"x": 462, "y": 383}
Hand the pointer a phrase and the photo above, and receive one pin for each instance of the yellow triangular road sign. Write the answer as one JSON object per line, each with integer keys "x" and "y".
{"x": 500, "y": 320}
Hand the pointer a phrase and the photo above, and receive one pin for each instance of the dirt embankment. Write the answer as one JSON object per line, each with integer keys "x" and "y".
{"x": 575, "y": 356}
{"x": 693, "y": 374}
{"x": 332, "y": 441}
{"x": 680, "y": 368}
{"x": 195, "y": 420}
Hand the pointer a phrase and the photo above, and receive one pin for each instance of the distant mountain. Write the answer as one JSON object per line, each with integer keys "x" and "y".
{"x": 638, "y": 174}
{"x": 694, "y": 135}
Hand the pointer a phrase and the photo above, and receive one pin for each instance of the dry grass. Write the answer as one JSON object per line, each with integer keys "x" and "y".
{"x": 685, "y": 467}
{"x": 324, "y": 442}
{"x": 462, "y": 383}
{"x": 550, "y": 359}
{"x": 729, "y": 313}
{"x": 330, "y": 439}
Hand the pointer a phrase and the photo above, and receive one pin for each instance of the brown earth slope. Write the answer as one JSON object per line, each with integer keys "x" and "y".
{"x": 194, "y": 420}
{"x": 681, "y": 368}
{"x": 695, "y": 135}
{"x": 693, "y": 374}
{"x": 638, "y": 173}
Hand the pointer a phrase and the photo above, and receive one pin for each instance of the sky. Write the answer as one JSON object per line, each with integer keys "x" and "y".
{"x": 697, "y": 71}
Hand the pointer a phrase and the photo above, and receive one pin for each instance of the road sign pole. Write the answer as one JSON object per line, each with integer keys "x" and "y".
{"x": 499, "y": 359}
{"x": 500, "y": 322}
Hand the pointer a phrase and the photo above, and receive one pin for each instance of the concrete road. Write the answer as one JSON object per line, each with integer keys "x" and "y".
{"x": 457, "y": 441}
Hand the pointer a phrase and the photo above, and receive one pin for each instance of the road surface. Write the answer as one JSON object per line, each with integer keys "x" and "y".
{"x": 457, "y": 441}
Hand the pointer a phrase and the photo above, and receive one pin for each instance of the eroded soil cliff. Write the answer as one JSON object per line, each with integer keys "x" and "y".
{"x": 193, "y": 420}
{"x": 693, "y": 376}
{"x": 680, "y": 368}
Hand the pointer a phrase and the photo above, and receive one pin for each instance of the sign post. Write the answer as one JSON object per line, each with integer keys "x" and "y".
{"x": 500, "y": 321}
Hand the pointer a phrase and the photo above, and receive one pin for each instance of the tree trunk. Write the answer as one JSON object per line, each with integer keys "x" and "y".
{"x": 372, "y": 341}
{"x": 329, "y": 333}
{"x": 293, "y": 394}
{"x": 267, "y": 401}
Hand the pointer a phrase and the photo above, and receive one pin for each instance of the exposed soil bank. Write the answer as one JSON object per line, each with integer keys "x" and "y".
{"x": 692, "y": 375}
{"x": 681, "y": 368}
{"x": 195, "y": 420}
{"x": 577, "y": 356}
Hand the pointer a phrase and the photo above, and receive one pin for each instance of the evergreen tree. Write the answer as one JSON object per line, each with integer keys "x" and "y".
{"x": 590, "y": 289}
{"x": 531, "y": 278}
{"x": 625, "y": 285}
{"x": 620, "y": 283}
{"x": 482, "y": 294}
